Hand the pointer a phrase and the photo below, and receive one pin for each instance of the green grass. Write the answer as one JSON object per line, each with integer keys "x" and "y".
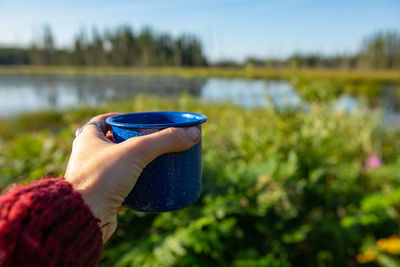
{"x": 280, "y": 188}
{"x": 249, "y": 73}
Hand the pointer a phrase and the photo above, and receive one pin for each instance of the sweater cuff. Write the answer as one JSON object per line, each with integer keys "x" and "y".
{"x": 47, "y": 223}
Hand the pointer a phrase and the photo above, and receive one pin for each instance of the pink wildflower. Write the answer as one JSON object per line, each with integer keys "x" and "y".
{"x": 373, "y": 162}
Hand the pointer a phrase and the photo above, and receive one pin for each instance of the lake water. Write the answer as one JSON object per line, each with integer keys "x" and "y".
{"x": 30, "y": 93}
{"x": 24, "y": 93}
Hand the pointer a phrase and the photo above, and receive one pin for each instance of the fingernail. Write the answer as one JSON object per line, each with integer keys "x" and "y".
{"x": 193, "y": 132}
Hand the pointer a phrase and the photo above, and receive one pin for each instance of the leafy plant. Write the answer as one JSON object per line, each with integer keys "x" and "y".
{"x": 280, "y": 188}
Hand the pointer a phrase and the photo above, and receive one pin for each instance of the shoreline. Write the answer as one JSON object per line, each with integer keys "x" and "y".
{"x": 379, "y": 76}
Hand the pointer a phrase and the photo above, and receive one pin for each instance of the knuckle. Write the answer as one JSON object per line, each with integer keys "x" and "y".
{"x": 176, "y": 135}
{"x": 75, "y": 141}
{"x": 78, "y": 140}
{"x": 179, "y": 139}
{"x": 96, "y": 118}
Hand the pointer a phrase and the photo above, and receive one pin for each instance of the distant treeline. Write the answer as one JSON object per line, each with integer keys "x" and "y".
{"x": 119, "y": 47}
{"x": 124, "y": 47}
{"x": 378, "y": 51}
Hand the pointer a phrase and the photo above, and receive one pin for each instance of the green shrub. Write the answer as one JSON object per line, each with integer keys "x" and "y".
{"x": 280, "y": 188}
{"x": 323, "y": 90}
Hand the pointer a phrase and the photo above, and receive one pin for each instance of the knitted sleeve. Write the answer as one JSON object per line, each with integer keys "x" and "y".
{"x": 47, "y": 223}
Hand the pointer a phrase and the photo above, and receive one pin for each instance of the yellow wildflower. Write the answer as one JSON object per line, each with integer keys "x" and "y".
{"x": 367, "y": 256}
{"x": 390, "y": 244}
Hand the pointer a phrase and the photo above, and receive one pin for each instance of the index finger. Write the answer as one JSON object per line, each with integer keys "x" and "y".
{"x": 102, "y": 120}
{"x": 93, "y": 130}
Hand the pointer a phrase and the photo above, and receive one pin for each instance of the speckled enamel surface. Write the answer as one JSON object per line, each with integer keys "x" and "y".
{"x": 170, "y": 182}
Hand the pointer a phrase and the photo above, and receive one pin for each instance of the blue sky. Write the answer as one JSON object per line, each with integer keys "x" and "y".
{"x": 232, "y": 29}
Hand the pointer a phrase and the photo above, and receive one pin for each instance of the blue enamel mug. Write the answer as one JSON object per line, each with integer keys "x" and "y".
{"x": 173, "y": 180}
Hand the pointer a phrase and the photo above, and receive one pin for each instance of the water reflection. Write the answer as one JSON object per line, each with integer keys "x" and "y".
{"x": 250, "y": 93}
{"x": 346, "y": 103}
{"x": 29, "y": 93}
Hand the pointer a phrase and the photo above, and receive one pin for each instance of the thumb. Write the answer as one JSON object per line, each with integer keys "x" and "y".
{"x": 148, "y": 147}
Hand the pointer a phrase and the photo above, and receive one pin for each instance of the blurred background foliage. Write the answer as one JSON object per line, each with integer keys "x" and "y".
{"x": 280, "y": 187}
{"x": 125, "y": 46}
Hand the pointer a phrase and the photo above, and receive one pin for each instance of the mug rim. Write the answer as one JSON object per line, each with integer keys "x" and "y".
{"x": 197, "y": 118}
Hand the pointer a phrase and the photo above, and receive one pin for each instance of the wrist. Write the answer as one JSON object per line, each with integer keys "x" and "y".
{"x": 107, "y": 218}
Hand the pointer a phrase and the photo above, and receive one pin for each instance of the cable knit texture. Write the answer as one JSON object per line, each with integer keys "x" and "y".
{"x": 47, "y": 223}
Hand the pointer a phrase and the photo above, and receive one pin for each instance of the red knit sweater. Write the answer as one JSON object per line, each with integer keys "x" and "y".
{"x": 47, "y": 223}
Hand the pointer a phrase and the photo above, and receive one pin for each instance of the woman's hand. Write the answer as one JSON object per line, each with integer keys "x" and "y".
{"x": 105, "y": 172}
